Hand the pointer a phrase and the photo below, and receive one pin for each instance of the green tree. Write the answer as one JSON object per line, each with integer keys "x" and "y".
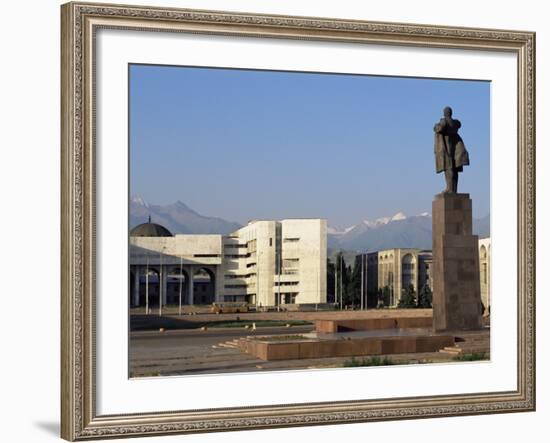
{"x": 343, "y": 273}
{"x": 354, "y": 284}
{"x": 331, "y": 296}
{"x": 383, "y": 296}
{"x": 379, "y": 298}
{"x": 347, "y": 284}
{"x": 408, "y": 297}
{"x": 425, "y": 297}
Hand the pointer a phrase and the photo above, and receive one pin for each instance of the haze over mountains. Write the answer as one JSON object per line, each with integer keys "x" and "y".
{"x": 398, "y": 231}
{"x": 178, "y": 218}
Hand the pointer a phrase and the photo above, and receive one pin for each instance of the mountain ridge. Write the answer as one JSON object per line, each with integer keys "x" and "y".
{"x": 397, "y": 231}
{"x": 178, "y": 218}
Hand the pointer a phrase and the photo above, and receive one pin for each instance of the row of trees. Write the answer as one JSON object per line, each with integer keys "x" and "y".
{"x": 349, "y": 282}
{"x": 349, "y": 286}
{"x": 410, "y": 300}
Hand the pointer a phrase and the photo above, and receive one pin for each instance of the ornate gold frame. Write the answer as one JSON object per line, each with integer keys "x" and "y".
{"x": 79, "y": 420}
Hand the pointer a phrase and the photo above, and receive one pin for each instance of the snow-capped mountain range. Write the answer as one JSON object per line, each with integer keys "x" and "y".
{"x": 397, "y": 231}
{"x": 370, "y": 223}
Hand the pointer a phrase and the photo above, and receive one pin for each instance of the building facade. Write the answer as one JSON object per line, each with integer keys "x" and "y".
{"x": 484, "y": 245}
{"x": 399, "y": 267}
{"x": 266, "y": 263}
{"x": 396, "y": 269}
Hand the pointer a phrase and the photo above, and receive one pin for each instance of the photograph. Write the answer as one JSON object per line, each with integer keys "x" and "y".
{"x": 286, "y": 220}
{"x": 280, "y": 220}
{"x": 275, "y": 221}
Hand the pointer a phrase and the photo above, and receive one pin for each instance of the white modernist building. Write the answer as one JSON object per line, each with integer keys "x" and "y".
{"x": 265, "y": 263}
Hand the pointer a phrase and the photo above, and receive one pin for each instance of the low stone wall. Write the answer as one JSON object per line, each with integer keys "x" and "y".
{"x": 308, "y": 307}
{"x": 369, "y": 324}
{"x": 307, "y": 348}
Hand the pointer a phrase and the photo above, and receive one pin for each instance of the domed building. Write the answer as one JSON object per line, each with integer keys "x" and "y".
{"x": 169, "y": 267}
{"x": 199, "y": 269}
{"x": 150, "y": 229}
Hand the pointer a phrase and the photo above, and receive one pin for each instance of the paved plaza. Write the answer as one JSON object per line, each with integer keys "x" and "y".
{"x": 186, "y": 346}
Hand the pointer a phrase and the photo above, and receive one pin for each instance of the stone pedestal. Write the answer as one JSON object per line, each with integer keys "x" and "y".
{"x": 455, "y": 269}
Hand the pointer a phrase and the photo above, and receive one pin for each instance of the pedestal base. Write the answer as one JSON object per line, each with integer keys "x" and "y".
{"x": 456, "y": 285}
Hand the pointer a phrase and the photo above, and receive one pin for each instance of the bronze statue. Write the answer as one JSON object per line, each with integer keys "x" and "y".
{"x": 450, "y": 152}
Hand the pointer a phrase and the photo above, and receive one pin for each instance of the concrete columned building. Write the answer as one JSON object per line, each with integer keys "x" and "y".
{"x": 398, "y": 268}
{"x": 266, "y": 263}
{"x": 484, "y": 245}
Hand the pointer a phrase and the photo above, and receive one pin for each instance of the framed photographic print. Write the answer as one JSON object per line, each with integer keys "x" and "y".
{"x": 281, "y": 221}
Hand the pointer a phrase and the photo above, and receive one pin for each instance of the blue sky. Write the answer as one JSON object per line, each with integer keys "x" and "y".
{"x": 242, "y": 144}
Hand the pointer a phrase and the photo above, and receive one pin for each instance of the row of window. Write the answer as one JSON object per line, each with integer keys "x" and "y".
{"x": 235, "y": 276}
{"x": 291, "y": 262}
{"x": 240, "y": 246}
{"x": 247, "y": 255}
{"x": 289, "y": 298}
{"x": 287, "y": 283}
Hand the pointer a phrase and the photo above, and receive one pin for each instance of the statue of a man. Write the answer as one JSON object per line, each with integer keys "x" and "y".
{"x": 450, "y": 152}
